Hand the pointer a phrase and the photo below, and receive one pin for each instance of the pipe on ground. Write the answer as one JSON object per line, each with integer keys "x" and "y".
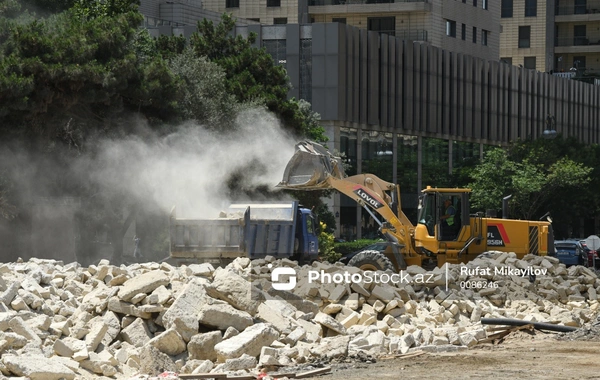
{"x": 520, "y": 322}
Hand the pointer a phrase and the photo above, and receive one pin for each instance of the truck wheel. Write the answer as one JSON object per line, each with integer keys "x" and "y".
{"x": 371, "y": 260}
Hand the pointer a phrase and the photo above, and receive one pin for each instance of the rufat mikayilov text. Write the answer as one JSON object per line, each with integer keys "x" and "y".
{"x": 503, "y": 271}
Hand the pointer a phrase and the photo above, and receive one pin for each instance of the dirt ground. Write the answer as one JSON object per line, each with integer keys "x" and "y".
{"x": 520, "y": 356}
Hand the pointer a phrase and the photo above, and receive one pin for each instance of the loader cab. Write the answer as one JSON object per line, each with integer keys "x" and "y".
{"x": 444, "y": 212}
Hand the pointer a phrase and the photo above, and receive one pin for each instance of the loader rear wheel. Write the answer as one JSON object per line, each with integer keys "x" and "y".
{"x": 371, "y": 260}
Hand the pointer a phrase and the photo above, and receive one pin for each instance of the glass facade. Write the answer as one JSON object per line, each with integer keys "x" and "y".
{"x": 435, "y": 163}
{"x": 277, "y": 50}
{"x": 377, "y": 154}
{"x": 441, "y": 165}
{"x": 407, "y": 158}
{"x": 348, "y": 213}
{"x": 306, "y": 69}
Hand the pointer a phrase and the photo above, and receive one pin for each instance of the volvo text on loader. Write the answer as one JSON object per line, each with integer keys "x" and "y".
{"x": 314, "y": 168}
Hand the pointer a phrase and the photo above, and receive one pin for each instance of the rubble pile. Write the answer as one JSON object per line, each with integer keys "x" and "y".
{"x": 62, "y": 321}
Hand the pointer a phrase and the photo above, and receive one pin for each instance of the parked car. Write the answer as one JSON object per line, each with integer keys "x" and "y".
{"x": 593, "y": 260}
{"x": 571, "y": 252}
{"x": 379, "y": 246}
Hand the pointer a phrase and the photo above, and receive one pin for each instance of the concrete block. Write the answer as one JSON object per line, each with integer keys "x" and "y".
{"x": 249, "y": 341}
{"x": 221, "y": 316}
{"x": 202, "y": 346}
{"x": 137, "y": 333}
{"x": 37, "y": 368}
{"x": 169, "y": 342}
{"x": 144, "y": 283}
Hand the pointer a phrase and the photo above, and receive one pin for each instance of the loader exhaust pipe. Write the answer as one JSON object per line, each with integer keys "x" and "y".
{"x": 505, "y": 206}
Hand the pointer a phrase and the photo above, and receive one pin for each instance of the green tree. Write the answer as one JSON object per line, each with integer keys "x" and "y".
{"x": 64, "y": 68}
{"x": 531, "y": 183}
{"x": 105, "y": 8}
{"x": 252, "y": 76}
{"x": 204, "y": 96}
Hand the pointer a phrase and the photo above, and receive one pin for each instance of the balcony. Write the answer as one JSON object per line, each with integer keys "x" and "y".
{"x": 578, "y": 13}
{"x": 153, "y": 22}
{"x": 566, "y": 75}
{"x": 411, "y": 35}
{"x": 344, "y": 2}
{"x": 367, "y": 6}
{"x": 579, "y": 44}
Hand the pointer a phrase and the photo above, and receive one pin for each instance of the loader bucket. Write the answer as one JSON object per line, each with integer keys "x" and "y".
{"x": 310, "y": 167}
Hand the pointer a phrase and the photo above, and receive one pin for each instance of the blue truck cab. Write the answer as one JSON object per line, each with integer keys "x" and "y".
{"x": 307, "y": 228}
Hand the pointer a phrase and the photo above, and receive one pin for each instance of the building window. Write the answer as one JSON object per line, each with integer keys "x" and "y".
{"x": 474, "y": 35}
{"x": 524, "y": 36}
{"x": 484, "y": 37}
{"x": 507, "y": 60}
{"x": 385, "y": 25}
{"x": 485, "y": 4}
{"x": 463, "y": 32}
{"x": 530, "y": 8}
{"x": 277, "y": 50}
{"x": 580, "y": 35}
{"x": 306, "y": 69}
{"x": 280, "y": 20}
{"x": 580, "y": 7}
{"x": 232, "y": 3}
{"x": 451, "y": 28}
{"x": 529, "y": 63}
{"x": 506, "y": 8}
{"x": 474, "y": 3}
{"x": 341, "y": 20}
{"x": 273, "y": 3}
{"x": 579, "y": 62}
{"x": 254, "y": 19}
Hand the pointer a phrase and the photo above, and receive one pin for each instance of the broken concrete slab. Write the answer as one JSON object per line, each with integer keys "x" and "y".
{"x": 144, "y": 283}
{"x": 222, "y": 316}
{"x": 37, "y": 368}
{"x": 250, "y": 341}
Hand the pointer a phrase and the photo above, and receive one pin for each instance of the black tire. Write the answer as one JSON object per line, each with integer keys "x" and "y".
{"x": 371, "y": 260}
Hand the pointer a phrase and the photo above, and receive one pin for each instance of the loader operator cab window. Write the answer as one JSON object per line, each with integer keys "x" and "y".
{"x": 427, "y": 212}
{"x": 450, "y": 219}
{"x": 441, "y": 214}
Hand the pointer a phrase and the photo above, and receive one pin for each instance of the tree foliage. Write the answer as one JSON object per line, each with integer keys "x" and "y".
{"x": 529, "y": 176}
{"x": 327, "y": 245}
{"x": 105, "y": 8}
{"x": 64, "y": 67}
{"x": 204, "y": 96}
{"x": 252, "y": 76}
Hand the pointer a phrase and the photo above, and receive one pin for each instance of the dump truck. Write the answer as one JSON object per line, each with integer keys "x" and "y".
{"x": 253, "y": 230}
{"x": 431, "y": 240}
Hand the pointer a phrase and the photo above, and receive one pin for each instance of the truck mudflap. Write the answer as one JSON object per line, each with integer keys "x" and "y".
{"x": 310, "y": 167}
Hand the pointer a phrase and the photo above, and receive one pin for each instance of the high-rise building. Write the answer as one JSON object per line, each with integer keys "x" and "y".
{"x": 411, "y": 111}
{"x": 464, "y": 26}
{"x": 554, "y": 35}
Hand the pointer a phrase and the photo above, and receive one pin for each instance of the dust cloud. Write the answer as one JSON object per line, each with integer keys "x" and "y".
{"x": 189, "y": 169}
{"x": 69, "y": 204}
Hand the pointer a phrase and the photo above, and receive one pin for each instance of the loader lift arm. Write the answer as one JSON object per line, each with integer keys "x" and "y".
{"x": 314, "y": 168}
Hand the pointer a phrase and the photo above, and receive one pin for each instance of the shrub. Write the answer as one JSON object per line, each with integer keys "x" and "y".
{"x": 351, "y": 246}
{"x": 326, "y": 245}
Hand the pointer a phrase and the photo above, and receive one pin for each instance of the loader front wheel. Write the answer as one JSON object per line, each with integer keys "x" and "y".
{"x": 371, "y": 260}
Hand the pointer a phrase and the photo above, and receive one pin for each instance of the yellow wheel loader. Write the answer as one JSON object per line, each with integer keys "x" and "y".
{"x": 436, "y": 238}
